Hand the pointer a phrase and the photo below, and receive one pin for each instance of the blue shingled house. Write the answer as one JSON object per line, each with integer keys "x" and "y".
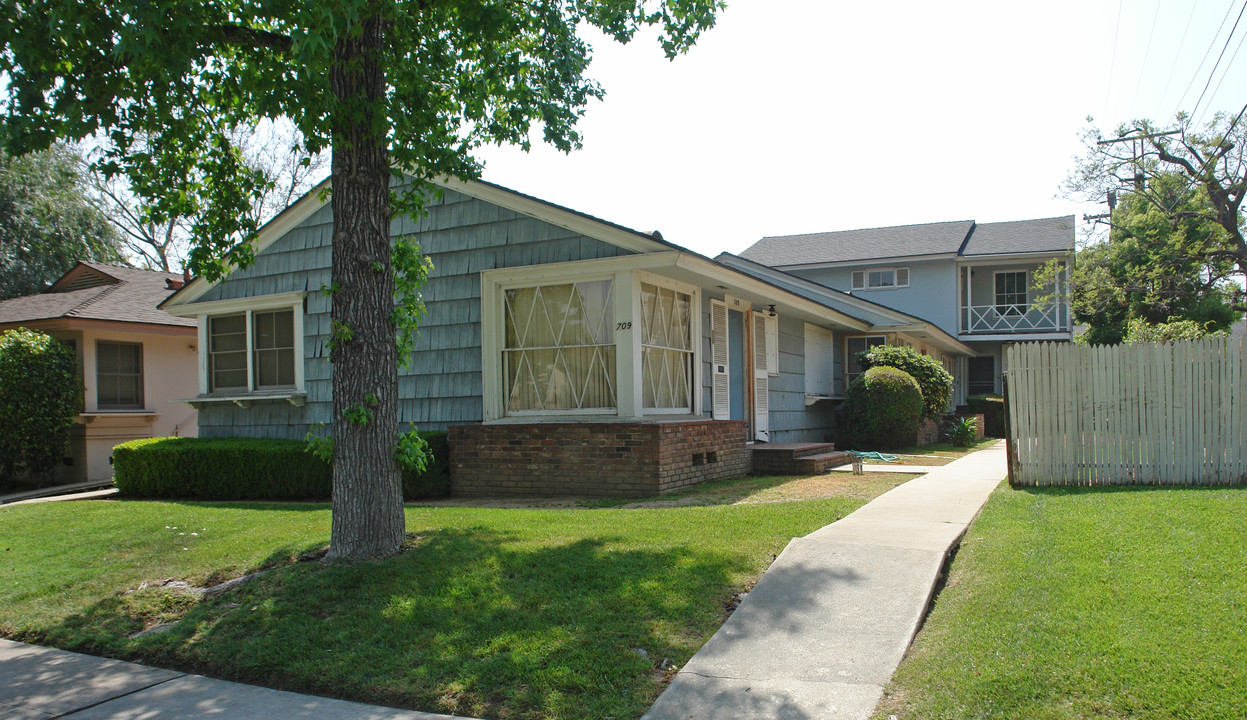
{"x": 564, "y": 353}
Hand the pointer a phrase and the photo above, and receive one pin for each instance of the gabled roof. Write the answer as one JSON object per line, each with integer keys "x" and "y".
{"x": 868, "y": 244}
{"x": 95, "y": 291}
{"x": 1045, "y": 235}
{"x": 959, "y": 238}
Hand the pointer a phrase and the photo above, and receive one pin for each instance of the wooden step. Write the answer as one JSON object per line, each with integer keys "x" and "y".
{"x": 797, "y": 458}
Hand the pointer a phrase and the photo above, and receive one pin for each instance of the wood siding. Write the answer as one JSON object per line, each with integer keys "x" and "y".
{"x": 463, "y": 236}
{"x": 1152, "y": 414}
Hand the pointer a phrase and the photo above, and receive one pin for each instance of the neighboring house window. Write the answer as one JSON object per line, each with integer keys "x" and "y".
{"x": 880, "y": 278}
{"x": 666, "y": 348}
{"x": 1011, "y": 293}
{"x": 853, "y": 346}
{"x": 118, "y": 375}
{"x": 559, "y": 351}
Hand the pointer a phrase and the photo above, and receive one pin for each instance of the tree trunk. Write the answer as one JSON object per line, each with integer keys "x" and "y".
{"x": 367, "y": 493}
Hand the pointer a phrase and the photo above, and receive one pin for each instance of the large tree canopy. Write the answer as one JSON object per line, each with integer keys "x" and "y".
{"x": 1174, "y": 249}
{"x": 47, "y": 222}
{"x": 383, "y": 84}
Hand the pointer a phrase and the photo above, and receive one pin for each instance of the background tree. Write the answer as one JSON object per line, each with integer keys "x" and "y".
{"x": 40, "y": 396}
{"x": 1173, "y": 249}
{"x": 47, "y": 221}
{"x": 415, "y": 85}
{"x": 273, "y": 150}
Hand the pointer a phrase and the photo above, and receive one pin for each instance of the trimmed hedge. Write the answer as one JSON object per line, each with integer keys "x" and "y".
{"x": 881, "y": 410}
{"x": 993, "y": 409}
{"x": 933, "y": 380}
{"x": 249, "y": 469}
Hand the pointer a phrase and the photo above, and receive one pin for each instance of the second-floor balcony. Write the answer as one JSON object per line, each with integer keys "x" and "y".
{"x": 1003, "y": 300}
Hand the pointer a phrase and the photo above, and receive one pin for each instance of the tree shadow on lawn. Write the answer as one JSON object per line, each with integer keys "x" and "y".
{"x": 468, "y": 621}
{"x": 1078, "y": 490}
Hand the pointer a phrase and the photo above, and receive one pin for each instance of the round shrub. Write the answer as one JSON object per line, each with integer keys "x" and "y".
{"x": 39, "y": 397}
{"x": 933, "y": 380}
{"x": 882, "y": 410}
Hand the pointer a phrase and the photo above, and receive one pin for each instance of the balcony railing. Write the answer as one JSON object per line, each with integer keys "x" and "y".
{"x": 1014, "y": 319}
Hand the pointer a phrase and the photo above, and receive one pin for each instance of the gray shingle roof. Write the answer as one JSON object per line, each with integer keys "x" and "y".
{"x": 1050, "y": 235}
{"x": 122, "y": 295}
{"x": 829, "y": 247}
{"x": 963, "y": 237}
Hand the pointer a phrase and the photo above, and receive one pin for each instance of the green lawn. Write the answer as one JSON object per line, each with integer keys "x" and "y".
{"x": 1108, "y": 603}
{"x": 498, "y": 613}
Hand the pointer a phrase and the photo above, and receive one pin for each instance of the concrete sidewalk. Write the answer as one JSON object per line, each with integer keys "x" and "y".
{"x": 825, "y": 627}
{"x": 39, "y": 683}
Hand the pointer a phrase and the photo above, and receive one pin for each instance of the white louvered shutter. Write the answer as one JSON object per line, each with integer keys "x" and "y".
{"x": 718, "y": 361}
{"x": 761, "y": 380}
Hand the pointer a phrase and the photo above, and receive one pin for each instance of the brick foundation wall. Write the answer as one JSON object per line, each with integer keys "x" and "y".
{"x": 604, "y": 459}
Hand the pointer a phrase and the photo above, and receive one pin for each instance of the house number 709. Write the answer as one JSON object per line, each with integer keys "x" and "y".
{"x": 623, "y": 326}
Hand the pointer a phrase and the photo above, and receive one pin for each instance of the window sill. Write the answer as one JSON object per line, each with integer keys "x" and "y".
{"x": 245, "y": 400}
{"x": 86, "y": 418}
{"x": 811, "y": 399}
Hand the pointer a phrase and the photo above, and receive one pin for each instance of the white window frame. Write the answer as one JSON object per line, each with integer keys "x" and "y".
{"x": 1012, "y": 309}
{"x": 860, "y": 279}
{"x": 248, "y": 307}
{"x": 694, "y": 294}
{"x": 627, "y": 278}
{"x": 142, "y": 375}
{"x": 848, "y": 358}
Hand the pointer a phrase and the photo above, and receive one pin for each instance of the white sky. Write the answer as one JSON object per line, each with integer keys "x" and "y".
{"x": 795, "y": 116}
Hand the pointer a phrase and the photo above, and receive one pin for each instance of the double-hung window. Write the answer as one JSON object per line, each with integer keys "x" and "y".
{"x": 1011, "y": 300}
{"x": 559, "y": 351}
{"x": 252, "y": 350}
{"x": 118, "y": 375}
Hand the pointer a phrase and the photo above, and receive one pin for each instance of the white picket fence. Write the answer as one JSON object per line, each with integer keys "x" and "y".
{"x": 1155, "y": 414}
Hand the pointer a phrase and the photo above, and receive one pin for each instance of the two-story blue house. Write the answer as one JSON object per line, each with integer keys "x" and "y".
{"x": 975, "y": 281}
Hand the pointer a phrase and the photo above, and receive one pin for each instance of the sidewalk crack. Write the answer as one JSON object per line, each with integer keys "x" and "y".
{"x": 75, "y": 711}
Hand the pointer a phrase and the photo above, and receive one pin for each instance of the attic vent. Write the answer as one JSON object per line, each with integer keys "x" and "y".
{"x": 87, "y": 278}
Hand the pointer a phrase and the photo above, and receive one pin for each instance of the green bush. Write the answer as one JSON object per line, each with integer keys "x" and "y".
{"x": 881, "y": 411}
{"x": 249, "y": 469}
{"x": 992, "y": 407}
{"x": 933, "y": 380}
{"x": 40, "y": 396}
{"x": 961, "y": 431}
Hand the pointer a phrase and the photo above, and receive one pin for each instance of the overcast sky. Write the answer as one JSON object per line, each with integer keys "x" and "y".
{"x": 796, "y": 116}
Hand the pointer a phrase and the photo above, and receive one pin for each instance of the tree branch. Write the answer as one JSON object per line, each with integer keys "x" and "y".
{"x": 233, "y": 34}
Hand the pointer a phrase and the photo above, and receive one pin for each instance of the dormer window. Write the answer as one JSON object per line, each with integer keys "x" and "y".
{"x": 880, "y": 278}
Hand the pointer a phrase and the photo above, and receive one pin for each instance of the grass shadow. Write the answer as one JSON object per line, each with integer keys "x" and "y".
{"x": 466, "y": 621}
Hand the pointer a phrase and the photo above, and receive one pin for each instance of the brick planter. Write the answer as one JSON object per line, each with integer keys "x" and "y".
{"x": 624, "y": 459}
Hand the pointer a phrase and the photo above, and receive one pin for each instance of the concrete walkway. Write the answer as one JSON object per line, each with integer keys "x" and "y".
{"x": 39, "y": 683}
{"x": 825, "y": 627}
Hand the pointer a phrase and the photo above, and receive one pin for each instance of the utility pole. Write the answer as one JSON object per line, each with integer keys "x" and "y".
{"x": 1137, "y": 148}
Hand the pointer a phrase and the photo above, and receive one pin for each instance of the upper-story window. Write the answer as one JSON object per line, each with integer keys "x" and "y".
{"x": 1011, "y": 293}
{"x": 880, "y": 278}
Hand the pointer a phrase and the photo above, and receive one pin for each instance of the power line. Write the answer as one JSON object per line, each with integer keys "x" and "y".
{"x": 1223, "y": 74}
{"x": 1112, "y": 63}
{"x": 1181, "y": 44}
{"x": 1218, "y": 62}
{"x": 1201, "y": 62}
{"x": 1146, "y": 51}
